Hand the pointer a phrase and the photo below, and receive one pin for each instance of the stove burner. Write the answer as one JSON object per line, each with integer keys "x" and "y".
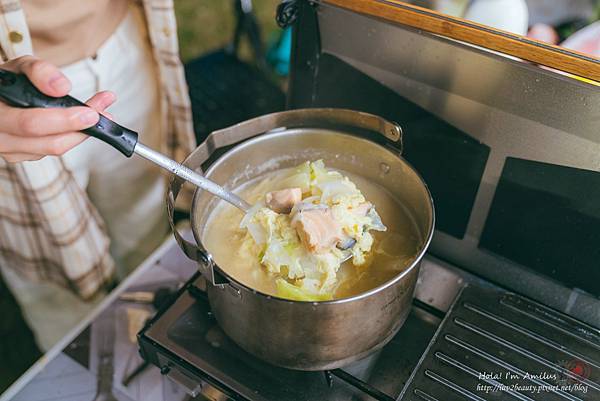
{"x": 186, "y": 339}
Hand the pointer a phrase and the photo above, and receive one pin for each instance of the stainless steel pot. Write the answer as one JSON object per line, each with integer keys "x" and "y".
{"x": 295, "y": 334}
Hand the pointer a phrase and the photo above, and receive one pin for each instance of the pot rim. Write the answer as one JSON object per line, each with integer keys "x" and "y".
{"x": 372, "y": 291}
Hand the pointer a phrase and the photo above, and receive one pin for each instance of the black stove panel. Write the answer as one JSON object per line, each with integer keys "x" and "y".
{"x": 547, "y": 217}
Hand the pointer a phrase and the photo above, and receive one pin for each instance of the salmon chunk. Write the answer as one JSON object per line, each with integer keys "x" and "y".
{"x": 317, "y": 229}
{"x": 284, "y": 200}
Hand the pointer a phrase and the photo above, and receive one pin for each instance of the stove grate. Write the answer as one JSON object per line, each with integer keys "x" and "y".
{"x": 498, "y": 345}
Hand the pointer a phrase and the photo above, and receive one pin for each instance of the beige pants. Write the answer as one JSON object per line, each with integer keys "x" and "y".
{"x": 128, "y": 193}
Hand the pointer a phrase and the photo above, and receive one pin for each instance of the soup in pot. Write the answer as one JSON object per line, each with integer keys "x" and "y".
{"x": 260, "y": 249}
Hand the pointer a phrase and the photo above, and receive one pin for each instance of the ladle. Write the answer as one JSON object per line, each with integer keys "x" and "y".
{"x": 18, "y": 91}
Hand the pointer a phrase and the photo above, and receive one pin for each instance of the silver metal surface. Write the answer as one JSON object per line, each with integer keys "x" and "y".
{"x": 414, "y": 63}
{"x": 314, "y": 117}
{"x": 516, "y": 108}
{"x": 305, "y": 336}
{"x": 192, "y": 387}
{"x": 190, "y": 176}
{"x": 316, "y": 335}
{"x": 439, "y": 284}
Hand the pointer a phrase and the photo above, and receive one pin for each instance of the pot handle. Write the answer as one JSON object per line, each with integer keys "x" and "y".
{"x": 256, "y": 126}
{"x": 307, "y": 118}
{"x": 193, "y": 251}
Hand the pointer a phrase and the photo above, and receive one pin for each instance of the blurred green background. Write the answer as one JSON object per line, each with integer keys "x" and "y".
{"x": 205, "y": 25}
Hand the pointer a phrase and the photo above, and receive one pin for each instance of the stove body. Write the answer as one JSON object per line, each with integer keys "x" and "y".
{"x": 507, "y": 305}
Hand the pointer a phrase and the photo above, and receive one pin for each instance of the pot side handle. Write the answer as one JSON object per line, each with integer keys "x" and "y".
{"x": 237, "y": 133}
{"x": 317, "y": 117}
{"x": 190, "y": 249}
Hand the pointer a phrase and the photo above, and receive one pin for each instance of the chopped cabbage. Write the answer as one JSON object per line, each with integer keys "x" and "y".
{"x": 300, "y": 178}
{"x": 296, "y": 293}
{"x": 278, "y": 246}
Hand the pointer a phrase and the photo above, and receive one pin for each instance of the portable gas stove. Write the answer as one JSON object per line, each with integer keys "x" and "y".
{"x": 189, "y": 346}
{"x": 485, "y": 343}
{"x": 507, "y": 304}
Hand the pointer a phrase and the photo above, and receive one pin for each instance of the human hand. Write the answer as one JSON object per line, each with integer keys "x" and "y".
{"x": 30, "y": 134}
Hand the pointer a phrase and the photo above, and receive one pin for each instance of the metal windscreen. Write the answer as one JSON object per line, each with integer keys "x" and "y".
{"x": 510, "y": 151}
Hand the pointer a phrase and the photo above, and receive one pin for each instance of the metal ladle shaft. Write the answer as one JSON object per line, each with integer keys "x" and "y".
{"x": 191, "y": 176}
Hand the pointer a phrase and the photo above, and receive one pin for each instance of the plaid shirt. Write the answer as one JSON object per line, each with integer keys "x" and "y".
{"x": 49, "y": 229}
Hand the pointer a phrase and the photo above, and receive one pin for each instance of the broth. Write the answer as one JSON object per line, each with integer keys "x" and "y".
{"x": 392, "y": 251}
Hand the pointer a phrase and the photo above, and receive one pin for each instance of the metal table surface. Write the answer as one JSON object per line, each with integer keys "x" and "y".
{"x": 69, "y": 371}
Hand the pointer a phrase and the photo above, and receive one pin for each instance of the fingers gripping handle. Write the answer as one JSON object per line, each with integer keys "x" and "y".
{"x": 18, "y": 91}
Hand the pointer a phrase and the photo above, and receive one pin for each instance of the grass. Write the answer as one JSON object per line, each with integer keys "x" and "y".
{"x": 205, "y": 25}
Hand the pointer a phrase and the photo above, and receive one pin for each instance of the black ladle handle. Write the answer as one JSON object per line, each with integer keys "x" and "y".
{"x": 18, "y": 91}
